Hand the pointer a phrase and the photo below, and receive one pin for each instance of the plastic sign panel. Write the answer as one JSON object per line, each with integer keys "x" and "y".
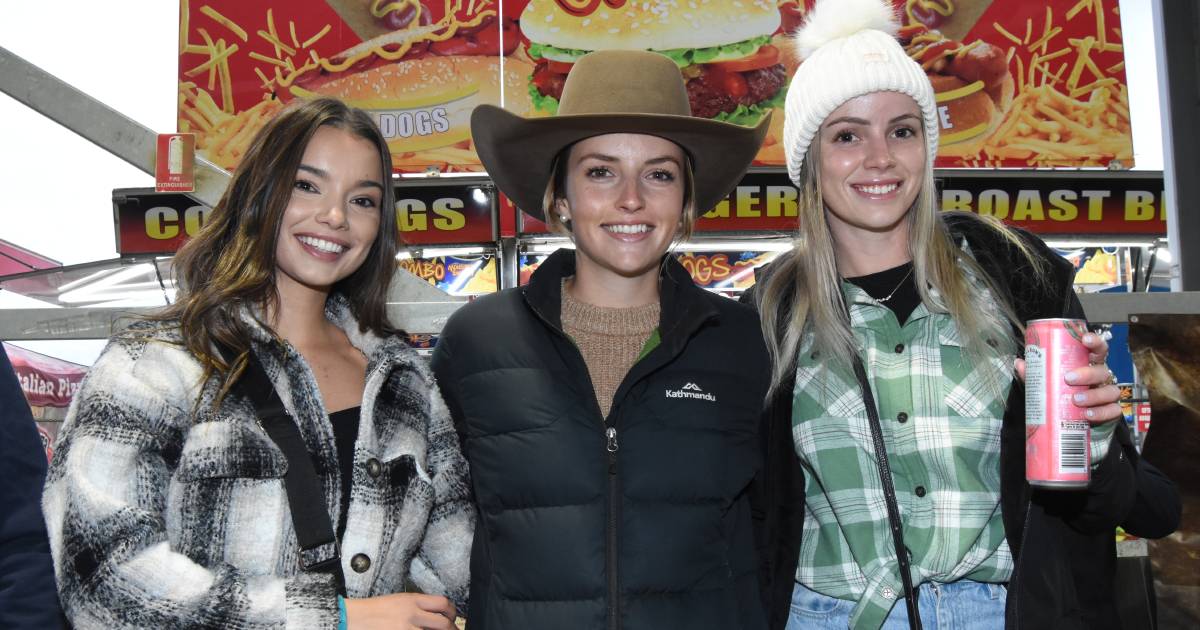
{"x": 174, "y": 163}
{"x": 1018, "y": 83}
{"x": 159, "y": 223}
{"x": 1116, "y": 204}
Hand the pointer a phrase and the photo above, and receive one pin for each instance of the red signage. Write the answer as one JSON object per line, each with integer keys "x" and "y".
{"x": 45, "y": 381}
{"x": 174, "y": 164}
{"x": 1067, "y": 203}
{"x": 159, "y": 223}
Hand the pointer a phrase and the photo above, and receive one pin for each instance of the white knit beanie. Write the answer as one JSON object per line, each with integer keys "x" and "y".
{"x": 849, "y": 48}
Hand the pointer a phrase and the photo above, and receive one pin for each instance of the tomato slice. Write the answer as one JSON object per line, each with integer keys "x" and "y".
{"x": 765, "y": 57}
{"x": 559, "y": 67}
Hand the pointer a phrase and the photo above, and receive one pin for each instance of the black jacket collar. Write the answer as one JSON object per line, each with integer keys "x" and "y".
{"x": 685, "y": 307}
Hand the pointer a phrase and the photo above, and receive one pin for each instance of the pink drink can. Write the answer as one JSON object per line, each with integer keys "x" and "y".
{"x": 1057, "y": 433}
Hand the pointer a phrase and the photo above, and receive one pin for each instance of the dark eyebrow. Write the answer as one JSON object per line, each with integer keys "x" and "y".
{"x": 323, "y": 174}
{"x": 859, "y": 121}
{"x": 608, "y": 158}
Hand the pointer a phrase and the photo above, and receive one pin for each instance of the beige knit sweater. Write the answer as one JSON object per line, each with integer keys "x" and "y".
{"x": 610, "y": 340}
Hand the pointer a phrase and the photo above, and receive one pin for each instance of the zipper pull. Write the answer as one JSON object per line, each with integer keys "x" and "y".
{"x": 612, "y": 439}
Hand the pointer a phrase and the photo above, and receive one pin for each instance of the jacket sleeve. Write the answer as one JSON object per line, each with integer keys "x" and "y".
{"x": 442, "y": 565}
{"x": 105, "y": 501}
{"x": 1157, "y": 508}
{"x": 1113, "y": 489}
{"x": 27, "y": 593}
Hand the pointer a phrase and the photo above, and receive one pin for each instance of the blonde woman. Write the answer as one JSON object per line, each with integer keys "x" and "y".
{"x": 895, "y": 466}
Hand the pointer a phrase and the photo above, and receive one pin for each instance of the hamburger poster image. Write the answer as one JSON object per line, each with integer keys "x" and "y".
{"x": 1019, "y": 83}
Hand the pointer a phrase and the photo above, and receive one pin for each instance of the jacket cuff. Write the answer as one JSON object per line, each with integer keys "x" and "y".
{"x": 311, "y": 601}
{"x": 1101, "y": 439}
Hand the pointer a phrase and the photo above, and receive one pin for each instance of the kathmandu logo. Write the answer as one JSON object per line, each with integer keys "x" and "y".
{"x": 691, "y": 390}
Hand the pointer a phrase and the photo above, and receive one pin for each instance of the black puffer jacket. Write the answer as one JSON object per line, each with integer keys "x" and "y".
{"x": 1063, "y": 542}
{"x": 640, "y": 520}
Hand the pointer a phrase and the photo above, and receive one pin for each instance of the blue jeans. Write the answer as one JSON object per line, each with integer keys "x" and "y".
{"x": 961, "y": 605}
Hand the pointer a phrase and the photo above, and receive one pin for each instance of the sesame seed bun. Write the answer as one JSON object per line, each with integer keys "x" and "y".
{"x": 650, "y": 25}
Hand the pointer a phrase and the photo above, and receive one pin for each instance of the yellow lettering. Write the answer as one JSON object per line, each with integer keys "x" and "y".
{"x": 994, "y": 203}
{"x": 1029, "y": 206}
{"x": 746, "y": 199}
{"x": 956, "y": 200}
{"x": 781, "y": 201}
{"x": 720, "y": 211}
{"x": 1095, "y": 203}
{"x": 162, "y": 223}
{"x": 448, "y": 216}
{"x": 1062, "y": 208}
{"x": 410, "y": 215}
{"x": 1139, "y": 205}
{"x": 193, "y": 219}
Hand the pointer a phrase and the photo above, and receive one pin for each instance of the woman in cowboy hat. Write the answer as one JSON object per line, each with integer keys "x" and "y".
{"x": 896, "y": 434}
{"x": 609, "y": 409}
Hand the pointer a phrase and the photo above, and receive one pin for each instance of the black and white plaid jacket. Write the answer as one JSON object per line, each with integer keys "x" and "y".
{"x": 168, "y": 512}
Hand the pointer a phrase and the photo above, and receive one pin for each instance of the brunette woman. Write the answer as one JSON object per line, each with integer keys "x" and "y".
{"x": 610, "y": 408}
{"x": 897, "y": 441}
{"x": 170, "y": 505}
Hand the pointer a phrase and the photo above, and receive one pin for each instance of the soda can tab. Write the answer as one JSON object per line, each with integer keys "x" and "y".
{"x": 1057, "y": 433}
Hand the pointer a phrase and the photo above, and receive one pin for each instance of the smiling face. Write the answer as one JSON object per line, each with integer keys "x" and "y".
{"x": 872, "y": 157}
{"x": 333, "y": 216}
{"x": 624, "y": 199}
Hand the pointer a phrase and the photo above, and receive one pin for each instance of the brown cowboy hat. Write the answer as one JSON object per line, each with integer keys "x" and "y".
{"x": 613, "y": 91}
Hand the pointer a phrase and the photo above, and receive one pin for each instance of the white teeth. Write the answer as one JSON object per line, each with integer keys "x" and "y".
{"x": 878, "y": 190}
{"x": 322, "y": 245}
{"x": 628, "y": 229}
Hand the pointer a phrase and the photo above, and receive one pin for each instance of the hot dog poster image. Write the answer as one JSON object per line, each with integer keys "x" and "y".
{"x": 1019, "y": 83}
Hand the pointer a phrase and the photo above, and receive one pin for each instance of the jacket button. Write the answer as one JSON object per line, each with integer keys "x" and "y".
{"x": 899, "y": 348}
{"x": 902, "y": 417}
{"x": 920, "y": 492}
{"x": 815, "y": 356}
{"x": 360, "y": 563}
{"x": 374, "y": 468}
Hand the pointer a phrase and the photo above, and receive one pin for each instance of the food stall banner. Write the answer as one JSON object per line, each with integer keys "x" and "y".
{"x": 45, "y": 381}
{"x": 159, "y": 223}
{"x": 456, "y": 275}
{"x": 1018, "y": 83}
{"x": 1058, "y": 203}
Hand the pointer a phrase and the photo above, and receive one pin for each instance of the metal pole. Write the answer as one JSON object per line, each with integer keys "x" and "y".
{"x": 106, "y": 127}
{"x": 1177, "y": 36}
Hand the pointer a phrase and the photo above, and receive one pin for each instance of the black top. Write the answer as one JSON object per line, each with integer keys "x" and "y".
{"x": 28, "y": 598}
{"x": 345, "y": 432}
{"x": 649, "y": 529}
{"x": 881, "y": 284}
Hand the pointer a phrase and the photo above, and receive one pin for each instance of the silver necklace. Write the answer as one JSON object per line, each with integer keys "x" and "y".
{"x": 889, "y": 296}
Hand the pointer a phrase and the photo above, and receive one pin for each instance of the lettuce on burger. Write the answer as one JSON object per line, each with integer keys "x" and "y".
{"x": 722, "y": 47}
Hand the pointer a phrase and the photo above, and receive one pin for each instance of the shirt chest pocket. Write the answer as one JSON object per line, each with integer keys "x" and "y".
{"x": 229, "y": 450}
{"x": 972, "y": 387}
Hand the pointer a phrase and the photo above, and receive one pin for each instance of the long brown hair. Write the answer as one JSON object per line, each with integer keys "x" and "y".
{"x": 230, "y": 263}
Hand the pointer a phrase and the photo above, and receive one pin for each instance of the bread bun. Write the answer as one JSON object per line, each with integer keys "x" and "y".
{"x": 426, "y": 103}
{"x": 653, "y": 25}
{"x": 968, "y": 116}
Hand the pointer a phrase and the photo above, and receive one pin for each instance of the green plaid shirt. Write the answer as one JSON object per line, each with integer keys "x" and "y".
{"x": 941, "y": 423}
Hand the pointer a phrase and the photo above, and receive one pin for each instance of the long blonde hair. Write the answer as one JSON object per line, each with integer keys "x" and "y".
{"x": 802, "y": 294}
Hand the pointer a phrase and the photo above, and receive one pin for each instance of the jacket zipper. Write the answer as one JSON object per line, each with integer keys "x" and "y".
{"x": 613, "y": 599}
{"x": 610, "y": 446}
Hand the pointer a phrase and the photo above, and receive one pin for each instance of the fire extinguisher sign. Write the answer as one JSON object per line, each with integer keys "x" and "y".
{"x": 174, "y": 163}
